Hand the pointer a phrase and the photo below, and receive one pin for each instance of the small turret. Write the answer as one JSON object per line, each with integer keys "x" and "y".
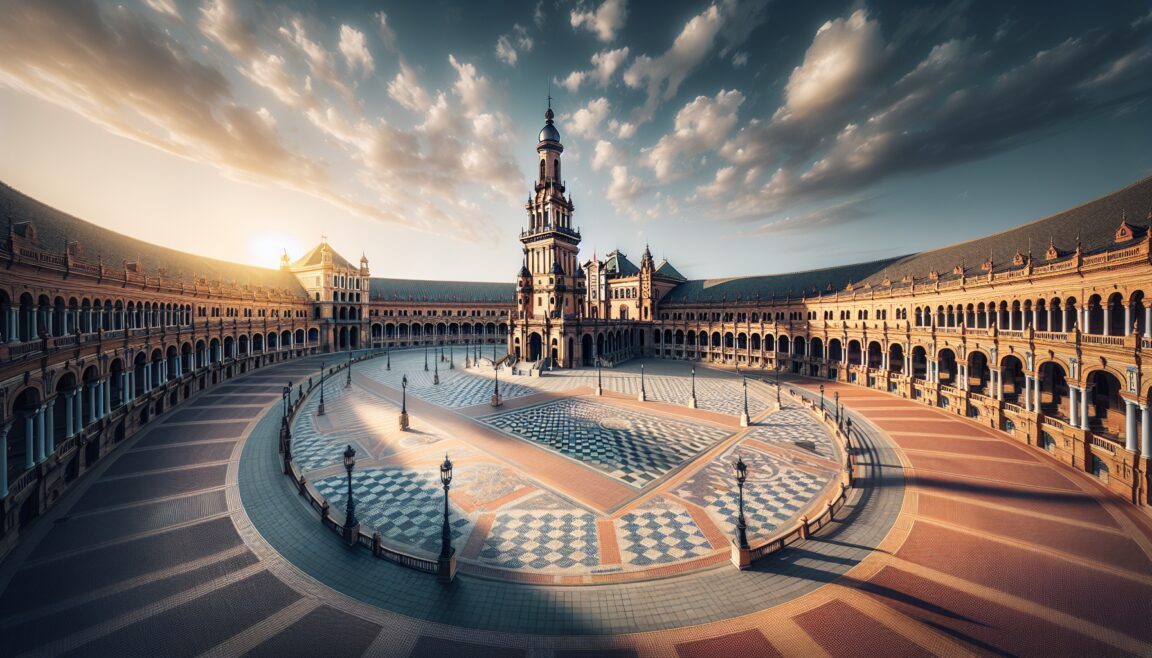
{"x": 285, "y": 264}
{"x": 363, "y": 264}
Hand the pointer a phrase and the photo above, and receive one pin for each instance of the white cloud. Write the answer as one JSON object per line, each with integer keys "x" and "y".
{"x": 387, "y": 34}
{"x": 164, "y": 7}
{"x": 605, "y": 155}
{"x": 604, "y": 65}
{"x": 624, "y": 189}
{"x": 320, "y": 62}
{"x": 220, "y": 22}
{"x": 472, "y": 88}
{"x": 739, "y": 59}
{"x": 605, "y": 22}
{"x": 405, "y": 89}
{"x": 723, "y": 184}
{"x": 701, "y": 125}
{"x": 355, "y": 49}
{"x": 585, "y": 122}
{"x": 839, "y": 64}
{"x": 271, "y": 72}
{"x": 509, "y": 46}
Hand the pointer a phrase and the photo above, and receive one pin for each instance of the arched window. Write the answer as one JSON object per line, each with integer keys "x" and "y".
{"x": 557, "y": 169}
{"x": 541, "y": 170}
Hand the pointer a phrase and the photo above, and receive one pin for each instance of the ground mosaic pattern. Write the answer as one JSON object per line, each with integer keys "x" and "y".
{"x": 793, "y": 427}
{"x": 773, "y": 494}
{"x": 404, "y": 505}
{"x": 660, "y": 533}
{"x": 632, "y": 447}
{"x": 542, "y": 539}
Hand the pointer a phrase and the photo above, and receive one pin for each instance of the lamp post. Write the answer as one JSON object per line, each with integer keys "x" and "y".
{"x": 848, "y": 435}
{"x": 451, "y": 357}
{"x": 285, "y": 395}
{"x": 446, "y": 564}
{"x": 778, "y": 404}
{"x": 741, "y": 471}
{"x": 404, "y": 403}
{"x": 351, "y": 525}
{"x": 744, "y": 420}
{"x": 692, "y": 400}
{"x": 425, "y": 358}
{"x": 320, "y": 412}
{"x": 496, "y": 385}
{"x": 836, "y": 404}
{"x": 436, "y": 372}
{"x": 388, "y": 357}
{"x": 348, "y": 379}
{"x": 643, "y": 395}
{"x": 599, "y": 377}
{"x": 821, "y": 400}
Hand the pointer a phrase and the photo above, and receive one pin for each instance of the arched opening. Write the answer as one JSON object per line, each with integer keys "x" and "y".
{"x": 586, "y": 353}
{"x": 919, "y": 363}
{"x": 535, "y": 347}
{"x": 1012, "y": 373}
{"x": 875, "y": 355}
{"x": 854, "y": 353}
{"x": 979, "y": 374}
{"x": 947, "y": 363}
{"x": 896, "y": 358}
{"x": 1105, "y": 406}
{"x": 1054, "y": 390}
{"x": 835, "y": 350}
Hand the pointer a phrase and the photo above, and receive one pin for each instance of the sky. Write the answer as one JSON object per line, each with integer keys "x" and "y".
{"x": 735, "y": 137}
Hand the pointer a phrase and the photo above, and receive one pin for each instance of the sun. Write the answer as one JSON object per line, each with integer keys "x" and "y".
{"x": 264, "y": 249}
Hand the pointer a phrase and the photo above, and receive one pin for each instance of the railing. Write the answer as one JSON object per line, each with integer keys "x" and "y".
{"x": 317, "y": 503}
{"x": 1012, "y": 333}
{"x": 1053, "y": 336}
{"x": 1103, "y": 442}
{"x": 1092, "y": 339}
{"x": 1055, "y": 422}
{"x": 1014, "y": 408}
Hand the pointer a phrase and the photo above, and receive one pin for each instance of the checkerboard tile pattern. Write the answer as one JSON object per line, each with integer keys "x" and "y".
{"x": 773, "y": 494}
{"x": 457, "y": 388}
{"x": 633, "y": 447}
{"x": 406, "y": 506}
{"x": 542, "y": 540}
{"x": 660, "y": 534}
{"x": 795, "y": 428}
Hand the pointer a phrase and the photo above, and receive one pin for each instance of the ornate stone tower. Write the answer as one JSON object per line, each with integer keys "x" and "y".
{"x": 550, "y": 290}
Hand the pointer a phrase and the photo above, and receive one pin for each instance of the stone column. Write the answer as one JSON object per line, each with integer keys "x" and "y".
{"x": 1027, "y": 393}
{"x": 68, "y": 429}
{"x": 1107, "y": 320}
{"x": 1145, "y": 430}
{"x": 1128, "y": 319}
{"x": 1035, "y": 318}
{"x": 1000, "y": 384}
{"x": 1130, "y": 437}
{"x": 106, "y": 387}
{"x": 1148, "y": 320}
{"x": 1036, "y": 394}
{"x": 50, "y": 428}
{"x": 40, "y": 434}
{"x": 77, "y": 410}
{"x": 4, "y": 459}
{"x": 91, "y": 389}
{"x": 1084, "y": 313}
{"x": 13, "y": 328}
{"x": 1074, "y": 406}
{"x": 1084, "y": 394}
{"x": 29, "y": 439}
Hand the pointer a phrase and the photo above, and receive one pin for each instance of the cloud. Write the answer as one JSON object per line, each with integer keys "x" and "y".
{"x": 729, "y": 22}
{"x": 624, "y": 189}
{"x": 125, "y": 74}
{"x": 220, "y": 22}
{"x": 605, "y": 155}
{"x": 842, "y": 60}
{"x": 321, "y": 63}
{"x": 387, "y": 34}
{"x": 164, "y": 7}
{"x": 406, "y": 90}
{"x": 508, "y": 47}
{"x": 605, "y": 22}
{"x": 585, "y": 122}
{"x": 819, "y": 218}
{"x": 701, "y": 125}
{"x": 604, "y": 65}
{"x": 739, "y": 60}
{"x": 355, "y": 50}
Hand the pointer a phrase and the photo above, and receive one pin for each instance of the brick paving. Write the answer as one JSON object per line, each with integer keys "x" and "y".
{"x": 977, "y": 552}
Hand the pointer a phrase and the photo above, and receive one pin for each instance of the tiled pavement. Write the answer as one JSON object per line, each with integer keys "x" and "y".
{"x": 975, "y": 564}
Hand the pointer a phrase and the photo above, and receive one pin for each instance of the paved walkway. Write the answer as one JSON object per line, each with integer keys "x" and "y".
{"x": 190, "y": 542}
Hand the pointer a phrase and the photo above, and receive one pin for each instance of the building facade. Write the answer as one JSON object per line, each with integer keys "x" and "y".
{"x": 100, "y": 333}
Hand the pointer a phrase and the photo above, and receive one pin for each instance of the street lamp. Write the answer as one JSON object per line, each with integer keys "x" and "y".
{"x": 388, "y": 356}
{"x": 599, "y": 376}
{"x": 848, "y": 435}
{"x": 821, "y": 398}
{"x": 643, "y": 396}
{"x": 496, "y": 385}
{"x": 404, "y": 402}
{"x": 436, "y": 372}
{"x": 351, "y": 525}
{"x": 692, "y": 400}
{"x": 320, "y": 412}
{"x": 445, "y": 563}
{"x": 348, "y": 380}
{"x": 836, "y": 404}
{"x": 741, "y": 471}
{"x": 778, "y": 384}
{"x": 285, "y": 395}
{"x": 744, "y": 420}
{"x": 451, "y": 357}
{"x": 425, "y": 358}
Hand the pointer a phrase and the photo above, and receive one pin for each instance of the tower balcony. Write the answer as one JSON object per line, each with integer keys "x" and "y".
{"x": 562, "y": 230}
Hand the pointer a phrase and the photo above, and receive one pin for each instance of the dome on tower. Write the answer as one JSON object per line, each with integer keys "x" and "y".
{"x": 549, "y": 132}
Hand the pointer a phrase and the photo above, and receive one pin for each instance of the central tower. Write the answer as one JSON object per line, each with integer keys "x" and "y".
{"x": 550, "y": 286}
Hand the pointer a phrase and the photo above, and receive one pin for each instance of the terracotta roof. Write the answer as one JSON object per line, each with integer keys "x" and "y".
{"x": 55, "y": 229}
{"x": 440, "y": 291}
{"x": 315, "y": 257}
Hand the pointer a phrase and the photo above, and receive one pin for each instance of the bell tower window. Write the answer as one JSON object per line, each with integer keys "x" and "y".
{"x": 542, "y": 164}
